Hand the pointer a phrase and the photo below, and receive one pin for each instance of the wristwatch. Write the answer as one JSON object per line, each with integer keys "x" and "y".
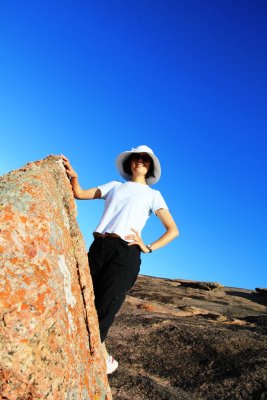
{"x": 149, "y": 247}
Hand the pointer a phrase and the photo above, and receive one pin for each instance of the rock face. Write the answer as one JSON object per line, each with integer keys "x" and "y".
{"x": 262, "y": 291}
{"x": 178, "y": 341}
{"x": 49, "y": 338}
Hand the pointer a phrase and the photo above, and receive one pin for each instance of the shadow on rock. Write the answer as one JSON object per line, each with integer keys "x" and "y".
{"x": 252, "y": 296}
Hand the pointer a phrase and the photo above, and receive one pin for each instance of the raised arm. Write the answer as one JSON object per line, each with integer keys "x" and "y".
{"x": 79, "y": 193}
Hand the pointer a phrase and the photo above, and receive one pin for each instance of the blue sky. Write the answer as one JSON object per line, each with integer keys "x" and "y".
{"x": 188, "y": 78}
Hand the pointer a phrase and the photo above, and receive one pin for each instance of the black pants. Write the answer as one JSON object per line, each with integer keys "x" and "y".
{"x": 114, "y": 268}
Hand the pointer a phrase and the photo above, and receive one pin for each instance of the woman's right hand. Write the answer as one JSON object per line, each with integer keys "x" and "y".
{"x": 69, "y": 170}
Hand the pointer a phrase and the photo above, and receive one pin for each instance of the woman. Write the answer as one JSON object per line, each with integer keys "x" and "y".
{"x": 114, "y": 256}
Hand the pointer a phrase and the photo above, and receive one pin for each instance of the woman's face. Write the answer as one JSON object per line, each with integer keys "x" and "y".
{"x": 140, "y": 163}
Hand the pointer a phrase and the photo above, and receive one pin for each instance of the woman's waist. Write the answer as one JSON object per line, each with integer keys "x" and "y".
{"x": 106, "y": 235}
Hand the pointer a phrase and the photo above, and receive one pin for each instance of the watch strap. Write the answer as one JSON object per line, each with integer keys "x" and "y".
{"x": 149, "y": 248}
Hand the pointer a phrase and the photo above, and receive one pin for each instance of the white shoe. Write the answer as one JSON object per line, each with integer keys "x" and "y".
{"x": 112, "y": 364}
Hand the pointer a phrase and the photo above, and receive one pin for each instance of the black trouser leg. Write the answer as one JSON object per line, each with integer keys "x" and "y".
{"x": 114, "y": 268}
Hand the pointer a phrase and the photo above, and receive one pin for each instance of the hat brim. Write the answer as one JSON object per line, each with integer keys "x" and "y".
{"x": 123, "y": 157}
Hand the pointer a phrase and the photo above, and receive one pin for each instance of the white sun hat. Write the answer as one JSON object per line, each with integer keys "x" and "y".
{"x": 139, "y": 149}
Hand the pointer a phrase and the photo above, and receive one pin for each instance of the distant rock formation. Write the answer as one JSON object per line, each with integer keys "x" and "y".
{"x": 262, "y": 291}
{"x": 200, "y": 285}
{"x": 49, "y": 338}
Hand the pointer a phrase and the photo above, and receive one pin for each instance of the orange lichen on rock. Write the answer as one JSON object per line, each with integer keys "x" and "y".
{"x": 49, "y": 338}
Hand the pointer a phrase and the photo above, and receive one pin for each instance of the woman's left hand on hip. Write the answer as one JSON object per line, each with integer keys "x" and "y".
{"x": 136, "y": 240}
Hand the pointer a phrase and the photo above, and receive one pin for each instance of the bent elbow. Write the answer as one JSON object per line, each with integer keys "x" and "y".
{"x": 176, "y": 233}
{"x": 78, "y": 196}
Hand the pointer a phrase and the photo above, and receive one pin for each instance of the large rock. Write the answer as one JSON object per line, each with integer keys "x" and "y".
{"x": 49, "y": 338}
{"x": 176, "y": 342}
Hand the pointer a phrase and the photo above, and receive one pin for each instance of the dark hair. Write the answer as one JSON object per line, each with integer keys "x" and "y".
{"x": 127, "y": 167}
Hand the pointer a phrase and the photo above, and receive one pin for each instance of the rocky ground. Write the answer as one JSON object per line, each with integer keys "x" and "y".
{"x": 184, "y": 340}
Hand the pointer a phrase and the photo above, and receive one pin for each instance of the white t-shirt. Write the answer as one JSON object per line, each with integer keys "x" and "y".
{"x": 127, "y": 205}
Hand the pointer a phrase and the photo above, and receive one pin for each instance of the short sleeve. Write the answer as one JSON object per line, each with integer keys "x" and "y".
{"x": 106, "y": 188}
{"x": 158, "y": 202}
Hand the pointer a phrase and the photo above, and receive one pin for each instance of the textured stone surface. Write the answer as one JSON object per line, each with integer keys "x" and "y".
{"x": 262, "y": 291}
{"x": 200, "y": 285}
{"x": 176, "y": 342}
{"x": 49, "y": 338}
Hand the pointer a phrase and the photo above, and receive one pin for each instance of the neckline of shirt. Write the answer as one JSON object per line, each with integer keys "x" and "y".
{"x": 138, "y": 183}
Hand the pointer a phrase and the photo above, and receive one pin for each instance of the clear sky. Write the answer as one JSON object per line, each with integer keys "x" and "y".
{"x": 90, "y": 79}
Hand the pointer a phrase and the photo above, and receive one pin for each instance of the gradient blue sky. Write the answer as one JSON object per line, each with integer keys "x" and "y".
{"x": 90, "y": 79}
